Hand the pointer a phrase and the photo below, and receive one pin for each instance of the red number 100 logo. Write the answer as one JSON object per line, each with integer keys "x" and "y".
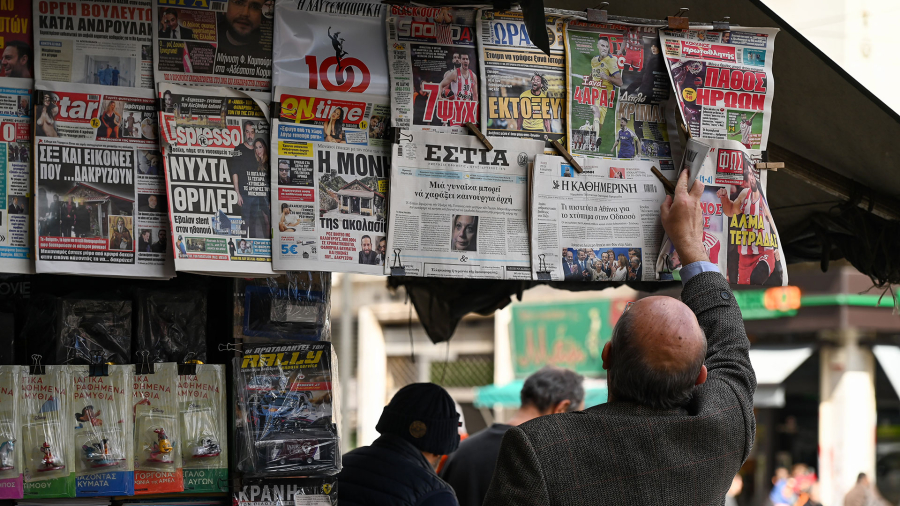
{"x": 339, "y": 80}
{"x": 9, "y": 132}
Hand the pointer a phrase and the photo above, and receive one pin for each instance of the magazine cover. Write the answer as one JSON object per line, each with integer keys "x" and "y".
{"x": 46, "y": 433}
{"x": 204, "y": 416}
{"x": 16, "y": 253}
{"x": 101, "y": 203}
{"x": 333, "y": 160}
{"x": 284, "y": 492}
{"x": 215, "y": 144}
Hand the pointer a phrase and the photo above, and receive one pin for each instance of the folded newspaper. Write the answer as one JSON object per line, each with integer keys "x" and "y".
{"x": 739, "y": 234}
{"x": 99, "y": 184}
{"x": 94, "y": 42}
{"x": 723, "y": 81}
{"x": 434, "y": 68}
{"x": 333, "y": 46}
{"x": 214, "y": 43}
{"x": 215, "y": 143}
{"x": 15, "y": 191}
{"x": 458, "y": 210}
{"x": 333, "y": 161}
{"x": 599, "y": 225}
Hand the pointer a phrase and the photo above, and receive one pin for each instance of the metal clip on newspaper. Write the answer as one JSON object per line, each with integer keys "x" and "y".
{"x": 725, "y": 24}
{"x": 189, "y": 366}
{"x": 670, "y": 188}
{"x": 679, "y": 22}
{"x": 598, "y": 14}
{"x": 475, "y": 131}
{"x": 230, "y": 347}
{"x": 565, "y": 154}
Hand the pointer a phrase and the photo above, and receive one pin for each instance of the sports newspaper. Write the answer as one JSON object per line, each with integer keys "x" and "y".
{"x": 739, "y": 234}
{"x": 215, "y": 143}
{"x": 214, "y": 43}
{"x": 599, "y": 225}
{"x": 523, "y": 89}
{"x": 99, "y": 186}
{"x": 723, "y": 82}
{"x": 618, "y": 91}
{"x": 458, "y": 210}
{"x": 104, "y": 42}
{"x": 332, "y": 46}
{"x": 15, "y": 183}
{"x": 434, "y": 68}
{"x": 331, "y": 184}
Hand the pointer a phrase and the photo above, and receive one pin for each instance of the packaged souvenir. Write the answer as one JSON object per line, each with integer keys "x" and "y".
{"x": 287, "y": 410}
{"x": 204, "y": 448}
{"x": 10, "y": 433}
{"x": 157, "y": 433}
{"x": 103, "y": 433}
{"x": 46, "y": 431}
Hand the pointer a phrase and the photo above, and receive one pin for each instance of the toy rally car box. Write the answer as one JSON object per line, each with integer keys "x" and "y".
{"x": 287, "y": 410}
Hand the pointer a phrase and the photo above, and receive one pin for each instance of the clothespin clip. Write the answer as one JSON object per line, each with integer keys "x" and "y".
{"x": 188, "y": 367}
{"x": 145, "y": 367}
{"x": 565, "y": 154}
{"x": 773, "y": 166}
{"x": 679, "y": 21}
{"x": 477, "y": 133}
{"x": 98, "y": 367}
{"x": 670, "y": 188}
{"x": 598, "y": 14}
{"x": 725, "y": 24}
{"x": 36, "y": 367}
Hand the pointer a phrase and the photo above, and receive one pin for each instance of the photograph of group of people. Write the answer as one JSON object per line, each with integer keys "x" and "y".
{"x": 372, "y": 252}
{"x": 152, "y": 240}
{"x": 599, "y": 264}
{"x": 456, "y": 80}
{"x": 18, "y": 152}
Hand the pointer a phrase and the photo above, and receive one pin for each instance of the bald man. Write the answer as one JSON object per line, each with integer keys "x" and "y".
{"x": 679, "y": 421}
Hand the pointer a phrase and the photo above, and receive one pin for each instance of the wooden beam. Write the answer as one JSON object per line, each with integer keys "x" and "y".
{"x": 833, "y": 183}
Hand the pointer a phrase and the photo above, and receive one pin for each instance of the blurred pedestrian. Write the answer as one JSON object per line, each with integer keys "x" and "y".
{"x": 863, "y": 494}
{"x": 469, "y": 470}
{"x": 782, "y": 493}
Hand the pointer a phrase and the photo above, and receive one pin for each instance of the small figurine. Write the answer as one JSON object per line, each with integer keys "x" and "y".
{"x": 206, "y": 448}
{"x": 98, "y": 454}
{"x": 49, "y": 462}
{"x": 162, "y": 448}
{"x": 88, "y": 415}
{"x": 6, "y": 455}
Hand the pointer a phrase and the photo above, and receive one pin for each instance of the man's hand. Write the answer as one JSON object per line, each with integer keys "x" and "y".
{"x": 682, "y": 220}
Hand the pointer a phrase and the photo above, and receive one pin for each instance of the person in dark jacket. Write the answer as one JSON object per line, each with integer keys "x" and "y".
{"x": 417, "y": 427}
{"x": 469, "y": 470}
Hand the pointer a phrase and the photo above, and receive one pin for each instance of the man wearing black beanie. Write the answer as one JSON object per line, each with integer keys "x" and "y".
{"x": 417, "y": 427}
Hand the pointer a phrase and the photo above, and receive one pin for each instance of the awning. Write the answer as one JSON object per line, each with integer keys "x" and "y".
{"x": 507, "y": 395}
{"x": 889, "y": 358}
{"x": 772, "y": 366}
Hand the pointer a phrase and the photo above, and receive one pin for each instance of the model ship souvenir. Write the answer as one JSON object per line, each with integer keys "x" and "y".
{"x": 49, "y": 462}
{"x": 208, "y": 447}
{"x": 98, "y": 454}
{"x": 7, "y": 461}
{"x": 162, "y": 449}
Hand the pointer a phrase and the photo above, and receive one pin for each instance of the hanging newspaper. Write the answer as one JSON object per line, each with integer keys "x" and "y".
{"x": 214, "y": 42}
{"x": 100, "y": 190}
{"x": 434, "y": 68}
{"x": 723, "y": 82}
{"x": 15, "y": 184}
{"x": 94, "y": 42}
{"x": 215, "y": 143}
{"x": 458, "y": 210}
{"x": 330, "y": 46}
{"x": 16, "y": 42}
{"x": 618, "y": 91}
{"x": 333, "y": 164}
{"x": 525, "y": 89}
{"x": 739, "y": 233}
{"x": 599, "y": 225}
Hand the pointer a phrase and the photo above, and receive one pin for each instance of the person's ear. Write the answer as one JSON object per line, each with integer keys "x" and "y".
{"x": 605, "y": 355}
{"x": 561, "y": 407}
{"x": 701, "y": 378}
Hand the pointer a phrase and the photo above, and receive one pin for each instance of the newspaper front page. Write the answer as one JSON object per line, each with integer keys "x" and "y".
{"x": 15, "y": 181}
{"x": 333, "y": 162}
{"x": 458, "y": 210}
{"x": 433, "y": 67}
{"x": 618, "y": 92}
{"x": 214, "y": 43}
{"x": 332, "y": 46}
{"x": 17, "y": 42}
{"x": 105, "y": 42}
{"x": 599, "y": 225}
{"x": 723, "y": 82}
{"x": 215, "y": 146}
{"x": 99, "y": 185}
{"x": 739, "y": 234}
{"x": 524, "y": 89}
